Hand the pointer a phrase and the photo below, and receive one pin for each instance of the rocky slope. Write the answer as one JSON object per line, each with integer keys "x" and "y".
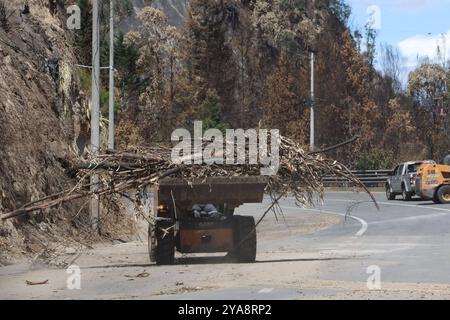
{"x": 43, "y": 119}
{"x": 175, "y": 11}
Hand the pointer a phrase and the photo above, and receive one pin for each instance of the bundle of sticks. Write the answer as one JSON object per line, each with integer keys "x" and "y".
{"x": 139, "y": 169}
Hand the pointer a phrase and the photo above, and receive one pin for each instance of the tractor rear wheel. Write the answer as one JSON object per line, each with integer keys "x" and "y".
{"x": 161, "y": 243}
{"x": 245, "y": 239}
{"x": 443, "y": 194}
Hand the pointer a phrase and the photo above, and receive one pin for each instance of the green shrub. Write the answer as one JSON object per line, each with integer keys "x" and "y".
{"x": 85, "y": 79}
{"x": 211, "y": 112}
{"x": 375, "y": 159}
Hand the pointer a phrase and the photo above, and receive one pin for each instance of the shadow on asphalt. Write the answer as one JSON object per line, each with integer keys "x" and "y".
{"x": 303, "y": 260}
{"x": 110, "y": 266}
{"x": 428, "y": 203}
{"x": 211, "y": 260}
{"x": 226, "y": 260}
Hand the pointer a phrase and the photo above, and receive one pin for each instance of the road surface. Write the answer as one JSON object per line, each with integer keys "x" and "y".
{"x": 399, "y": 252}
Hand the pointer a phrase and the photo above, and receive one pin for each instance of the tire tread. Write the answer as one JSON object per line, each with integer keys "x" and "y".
{"x": 244, "y": 228}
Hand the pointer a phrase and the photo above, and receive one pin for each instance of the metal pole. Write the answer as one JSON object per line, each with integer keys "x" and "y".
{"x": 312, "y": 124}
{"x": 111, "y": 77}
{"x": 350, "y": 120}
{"x": 95, "y": 109}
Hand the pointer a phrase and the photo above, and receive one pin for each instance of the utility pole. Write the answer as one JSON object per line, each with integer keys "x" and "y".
{"x": 312, "y": 124}
{"x": 95, "y": 110}
{"x": 312, "y": 144}
{"x": 111, "y": 77}
{"x": 350, "y": 120}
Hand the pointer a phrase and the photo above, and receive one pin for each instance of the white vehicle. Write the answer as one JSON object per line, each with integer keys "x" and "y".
{"x": 403, "y": 180}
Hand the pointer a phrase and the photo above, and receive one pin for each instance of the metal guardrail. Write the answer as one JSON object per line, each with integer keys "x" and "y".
{"x": 370, "y": 178}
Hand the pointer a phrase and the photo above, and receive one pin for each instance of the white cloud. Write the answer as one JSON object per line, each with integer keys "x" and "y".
{"x": 423, "y": 46}
{"x": 419, "y": 4}
{"x": 401, "y": 5}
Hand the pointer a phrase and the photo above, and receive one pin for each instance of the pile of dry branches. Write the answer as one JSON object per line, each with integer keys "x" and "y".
{"x": 300, "y": 174}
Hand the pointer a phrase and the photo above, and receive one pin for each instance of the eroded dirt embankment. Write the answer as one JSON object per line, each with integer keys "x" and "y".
{"x": 43, "y": 119}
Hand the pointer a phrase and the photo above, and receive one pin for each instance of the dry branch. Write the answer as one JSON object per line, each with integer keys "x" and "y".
{"x": 300, "y": 174}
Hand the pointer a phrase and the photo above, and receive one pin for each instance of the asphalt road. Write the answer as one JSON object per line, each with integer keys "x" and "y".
{"x": 353, "y": 251}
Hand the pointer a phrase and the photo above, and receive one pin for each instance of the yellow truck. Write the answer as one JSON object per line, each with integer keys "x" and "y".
{"x": 433, "y": 182}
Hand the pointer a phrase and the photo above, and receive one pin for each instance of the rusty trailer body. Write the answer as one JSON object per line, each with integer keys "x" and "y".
{"x": 178, "y": 229}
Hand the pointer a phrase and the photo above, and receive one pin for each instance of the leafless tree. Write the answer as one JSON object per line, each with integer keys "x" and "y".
{"x": 392, "y": 64}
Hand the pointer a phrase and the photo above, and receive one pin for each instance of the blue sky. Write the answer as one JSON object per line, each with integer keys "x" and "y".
{"x": 414, "y": 26}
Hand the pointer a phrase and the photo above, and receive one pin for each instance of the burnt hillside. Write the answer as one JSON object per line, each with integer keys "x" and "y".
{"x": 244, "y": 63}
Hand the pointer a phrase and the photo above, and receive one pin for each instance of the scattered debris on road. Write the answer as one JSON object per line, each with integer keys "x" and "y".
{"x": 143, "y": 274}
{"x": 32, "y": 283}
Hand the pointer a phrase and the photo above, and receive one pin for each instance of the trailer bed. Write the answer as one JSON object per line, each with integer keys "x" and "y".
{"x": 232, "y": 190}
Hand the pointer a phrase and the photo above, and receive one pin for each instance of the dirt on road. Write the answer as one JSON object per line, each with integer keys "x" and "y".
{"x": 123, "y": 271}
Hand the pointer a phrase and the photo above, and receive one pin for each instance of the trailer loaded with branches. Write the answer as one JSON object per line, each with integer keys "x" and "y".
{"x": 194, "y": 207}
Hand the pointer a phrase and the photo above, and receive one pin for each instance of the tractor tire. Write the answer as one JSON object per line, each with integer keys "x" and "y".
{"x": 245, "y": 238}
{"x": 161, "y": 245}
{"x": 443, "y": 195}
{"x": 406, "y": 195}
{"x": 389, "y": 194}
{"x": 436, "y": 199}
{"x": 152, "y": 243}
